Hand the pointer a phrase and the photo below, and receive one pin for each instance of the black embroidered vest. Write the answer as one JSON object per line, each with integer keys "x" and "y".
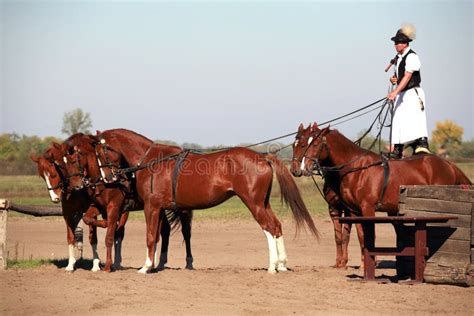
{"x": 415, "y": 78}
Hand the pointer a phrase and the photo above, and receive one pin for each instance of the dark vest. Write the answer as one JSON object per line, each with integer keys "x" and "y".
{"x": 415, "y": 78}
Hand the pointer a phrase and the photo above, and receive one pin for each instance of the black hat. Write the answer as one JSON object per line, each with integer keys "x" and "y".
{"x": 400, "y": 37}
{"x": 405, "y": 34}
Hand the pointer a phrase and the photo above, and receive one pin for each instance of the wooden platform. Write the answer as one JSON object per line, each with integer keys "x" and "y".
{"x": 451, "y": 247}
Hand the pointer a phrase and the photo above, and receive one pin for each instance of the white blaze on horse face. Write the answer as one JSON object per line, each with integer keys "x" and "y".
{"x": 102, "y": 173}
{"x": 310, "y": 140}
{"x": 296, "y": 143}
{"x": 65, "y": 159}
{"x": 273, "y": 252}
{"x": 302, "y": 164}
{"x": 54, "y": 197}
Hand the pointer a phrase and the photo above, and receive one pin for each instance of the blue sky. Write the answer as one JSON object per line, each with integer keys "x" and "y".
{"x": 223, "y": 72}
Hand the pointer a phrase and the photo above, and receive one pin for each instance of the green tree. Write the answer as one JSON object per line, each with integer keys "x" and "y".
{"x": 76, "y": 121}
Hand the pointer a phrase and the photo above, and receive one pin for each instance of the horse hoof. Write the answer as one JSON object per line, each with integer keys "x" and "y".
{"x": 143, "y": 270}
{"x": 189, "y": 267}
{"x": 272, "y": 271}
{"x": 282, "y": 269}
{"x": 160, "y": 267}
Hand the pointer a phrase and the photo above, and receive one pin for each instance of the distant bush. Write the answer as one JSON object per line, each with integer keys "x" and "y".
{"x": 15, "y": 151}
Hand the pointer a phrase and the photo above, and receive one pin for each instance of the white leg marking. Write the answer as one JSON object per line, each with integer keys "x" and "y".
{"x": 95, "y": 259}
{"x": 54, "y": 197}
{"x": 72, "y": 258}
{"x": 148, "y": 263}
{"x": 302, "y": 164}
{"x": 273, "y": 253}
{"x": 282, "y": 258}
{"x": 118, "y": 253}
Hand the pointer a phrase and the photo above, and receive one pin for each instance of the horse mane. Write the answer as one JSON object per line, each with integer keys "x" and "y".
{"x": 351, "y": 143}
{"x": 122, "y": 131}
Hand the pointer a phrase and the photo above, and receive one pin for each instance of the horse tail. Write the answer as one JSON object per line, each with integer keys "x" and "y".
{"x": 291, "y": 196}
{"x": 174, "y": 218}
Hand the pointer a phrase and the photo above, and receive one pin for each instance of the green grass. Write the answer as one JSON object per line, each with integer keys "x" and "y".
{"x": 27, "y": 264}
{"x": 31, "y": 190}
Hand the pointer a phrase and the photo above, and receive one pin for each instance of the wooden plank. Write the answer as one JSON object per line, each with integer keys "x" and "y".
{"x": 462, "y": 221}
{"x": 447, "y": 193}
{"x": 457, "y": 275}
{"x": 427, "y": 204}
{"x": 450, "y": 258}
{"x": 3, "y": 240}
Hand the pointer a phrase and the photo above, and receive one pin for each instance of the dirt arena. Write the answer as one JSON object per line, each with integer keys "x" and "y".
{"x": 230, "y": 258}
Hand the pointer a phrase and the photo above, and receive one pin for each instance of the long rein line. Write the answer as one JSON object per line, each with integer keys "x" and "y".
{"x": 330, "y": 121}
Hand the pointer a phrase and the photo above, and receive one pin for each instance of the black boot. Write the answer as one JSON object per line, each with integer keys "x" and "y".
{"x": 397, "y": 152}
{"x": 422, "y": 146}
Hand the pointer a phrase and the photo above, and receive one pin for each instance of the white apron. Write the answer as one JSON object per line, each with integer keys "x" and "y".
{"x": 409, "y": 121}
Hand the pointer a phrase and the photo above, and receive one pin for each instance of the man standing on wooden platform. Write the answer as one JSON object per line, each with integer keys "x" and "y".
{"x": 409, "y": 118}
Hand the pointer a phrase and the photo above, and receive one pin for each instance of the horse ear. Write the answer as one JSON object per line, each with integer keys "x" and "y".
{"x": 315, "y": 126}
{"x": 98, "y": 133}
{"x": 301, "y": 127}
{"x": 34, "y": 158}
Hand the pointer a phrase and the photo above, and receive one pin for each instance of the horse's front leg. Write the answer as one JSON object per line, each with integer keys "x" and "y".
{"x": 360, "y": 236}
{"x": 90, "y": 217}
{"x": 71, "y": 224}
{"x": 119, "y": 236}
{"x": 333, "y": 213}
{"x": 152, "y": 217}
{"x": 112, "y": 218}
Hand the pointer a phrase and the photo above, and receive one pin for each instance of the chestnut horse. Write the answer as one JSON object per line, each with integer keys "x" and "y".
{"x": 108, "y": 200}
{"x": 360, "y": 173}
{"x": 176, "y": 179}
{"x": 122, "y": 184}
{"x": 330, "y": 193}
{"x": 51, "y": 168}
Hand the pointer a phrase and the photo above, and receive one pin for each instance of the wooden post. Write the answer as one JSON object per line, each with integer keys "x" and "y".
{"x": 3, "y": 235}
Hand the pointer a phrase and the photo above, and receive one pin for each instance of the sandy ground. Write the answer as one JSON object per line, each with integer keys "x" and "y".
{"x": 230, "y": 258}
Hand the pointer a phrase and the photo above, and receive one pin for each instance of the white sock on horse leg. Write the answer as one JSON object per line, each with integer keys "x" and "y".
{"x": 72, "y": 258}
{"x": 282, "y": 257}
{"x": 273, "y": 252}
{"x": 95, "y": 259}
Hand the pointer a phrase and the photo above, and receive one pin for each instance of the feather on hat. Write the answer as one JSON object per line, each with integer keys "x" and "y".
{"x": 405, "y": 34}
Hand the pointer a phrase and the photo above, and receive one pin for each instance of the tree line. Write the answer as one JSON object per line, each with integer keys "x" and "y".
{"x": 15, "y": 151}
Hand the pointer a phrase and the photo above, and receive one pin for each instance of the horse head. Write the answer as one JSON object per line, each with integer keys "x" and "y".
{"x": 108, "y": 159}
{"x": 52, "y": 169}
{"x": 309, "y": 149}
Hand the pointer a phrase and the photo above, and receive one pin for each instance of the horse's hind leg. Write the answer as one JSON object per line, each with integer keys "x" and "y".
{"x": 119, "y": 236}
{"x": 165, "y": 239}
{"x": 272, "y": 230}
{"x": 186, "y": 218}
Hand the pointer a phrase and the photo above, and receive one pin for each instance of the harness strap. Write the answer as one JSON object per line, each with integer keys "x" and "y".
{"x": 174, "y": 177}
{"x": 386, "y": 175}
